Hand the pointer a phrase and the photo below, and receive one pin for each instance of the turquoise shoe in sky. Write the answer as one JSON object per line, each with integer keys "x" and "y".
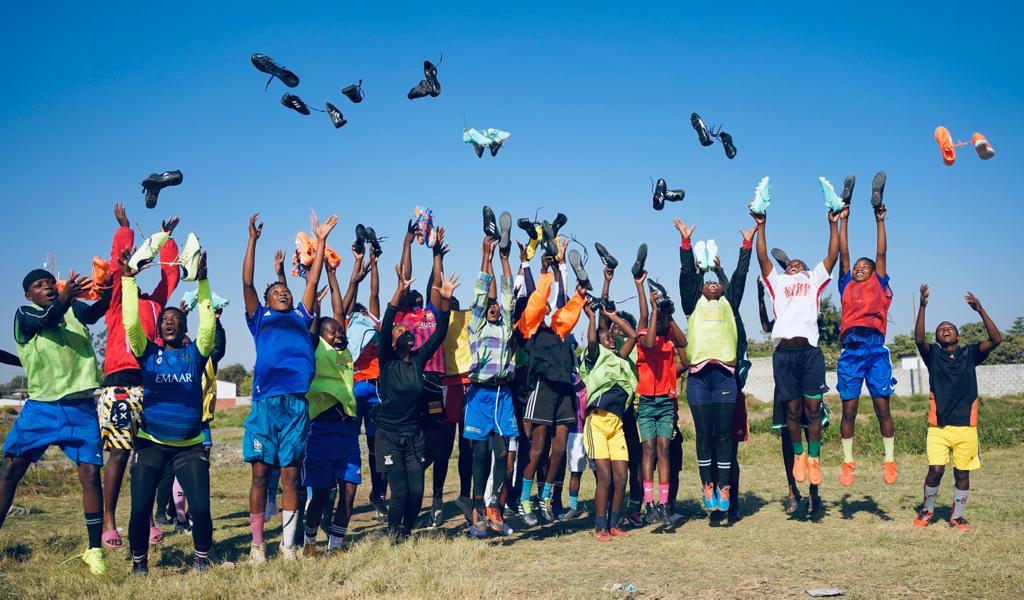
{"x": 478, "y": 140}
{"x": 762, "y": 197}
{"x": 832, "y": 200}
{"x": 712, "y": 253}
{"x": 497, "y": 137}
{"x": 700, "y": 255}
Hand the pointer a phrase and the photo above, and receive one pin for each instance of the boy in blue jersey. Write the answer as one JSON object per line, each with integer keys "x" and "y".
{"x": 277, "y": 425}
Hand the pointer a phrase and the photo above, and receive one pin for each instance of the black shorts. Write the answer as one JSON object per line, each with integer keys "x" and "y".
{"x": 551, "y": 403}
{"x": 159, "y": 456}
{"x": 799, "y": 373}
{"x": 400, "y": 452}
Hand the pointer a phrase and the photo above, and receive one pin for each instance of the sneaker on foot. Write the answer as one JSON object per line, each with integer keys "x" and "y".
{"x": 813, "y": 504}
{"x": 723, "y": 498}
{"x": 846, "y": 473}
{"x": 924, "y": 517}
{"x": 602, "y": 535}
{"x": 791, "y": 505}
{"x": 201, "y": 564}
{"x": 800, "y": 468}
{"x": 707, "y": 493}
{"x": 664, "y": 515}
{"x": 889, "y": 472}
{"x": 570, "y": 514}
{"x": 814, "y": 470}
{"x": 616, "y": 532}
{"x": 258, "y": 554}
{"x": 436, "y": 513}
{"x": 496, "y": 522}
{"x": 981, "y": 145}
{"x": 289, "y": 552}
{"x": 94, "y": 558}
{"x": 635, "y": 519}
{"x": 650, "y": 513}
{"x": 547, "y": 510}
{"x": 379, "y": 505}
{"x": 527, "y": 513}
{"x": 960, "y": 524}
{"x": 309, "y": 551}
{"x": 945, "y": 142}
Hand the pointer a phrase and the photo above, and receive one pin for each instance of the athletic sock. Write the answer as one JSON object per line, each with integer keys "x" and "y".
{"x": 309, "y": 535}
{"x": 613, "y": 520}
{"x": 959, "y": 502}
{"x": 256, "y": 524}
{"x": 930, "y": 494}
{"x": 648, "y": 491}
{"x": 798, "y": 448}
{"x": 889, "y": 443}
{"x": 574, "y": 498}
{"x": 478, "y": 504}
{"x": 848, "y": 449}
{"x": 289, "y": 523}
{"x": 524, "y": 496}
{"x": 549, "y": 490}
{"x": 814, "y": 448}
{"x": 663, "y": 493}
{"x": 140, "y": 560}
{"x": 94, "y": 525}
{"x": 201, "y": 555}
{"x": 334, "y": 541}
{"x": 600, "y": 524}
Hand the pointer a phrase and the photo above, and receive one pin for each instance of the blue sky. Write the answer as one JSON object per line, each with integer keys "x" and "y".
{"x": 597, "y": 97}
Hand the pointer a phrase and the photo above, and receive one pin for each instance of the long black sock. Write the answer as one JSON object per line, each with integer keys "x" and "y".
{"x": 94, "y": 525}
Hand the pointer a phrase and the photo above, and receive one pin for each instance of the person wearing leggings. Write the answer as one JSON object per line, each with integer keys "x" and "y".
{"x": 712, "y": 390}
{"x": 401, "y": 446}
{"x": 171, "y": 428}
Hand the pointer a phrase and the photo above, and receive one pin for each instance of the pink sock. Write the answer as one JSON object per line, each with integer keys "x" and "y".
{"x": 648, "y": 491}
{"x": 256, "y": 523}
{"x": 179, "y": 500}
{"x": 663, "y": 493}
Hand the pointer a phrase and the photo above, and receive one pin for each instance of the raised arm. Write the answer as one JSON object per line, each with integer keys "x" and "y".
{"x": 445, "y": 289}
{"x": 844, "y": 242}
{"x": 689, "y": 279}
{"x": 339, "y": 303}
{"x": 833, "y": 242}
{"x": 322, "y": 230}
{"x": 647, "y": 341}
{"x": 641, "y": 296}
{"x": 133, "y": 332}
{"x": 169, "y": 271}
{"x": 279, "y": 267}
{"x": 406, "y": 261}
{"x": 882, "y": 242}
{"x": 249, "y": 295}
{"x": 436, "y": 267}
{"x": 762, "y": 245}
{"x": 630, "y": 342}
{"x": 762, "y": 310}
{"x": 994, "y": 336}
{"x": 922, "y": 345}
{"x": 734, "y": 289}
{"x": 374, "y": 287}
{"x": 9, "y": 359}
{"x": 207, "y": 334}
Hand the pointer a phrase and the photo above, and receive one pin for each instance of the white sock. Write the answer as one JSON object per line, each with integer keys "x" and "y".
{"x": 289, "y": 522}
{"x": 334, "y": 541}
{"x": 848, "y": 449}
{"x": 889, "y": 443}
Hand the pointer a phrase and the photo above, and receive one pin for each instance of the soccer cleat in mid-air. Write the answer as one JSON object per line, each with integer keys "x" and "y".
{"x": 762, "y": 197}
{"x": 267, "y": 65}
{"x": 429, "y": 85}
{"x": 354, "y": 92}
{"x": 336, "y": 117}
{"x": 878, "y": 189}
{"x": 475, "y": 139}
{"x": 662, "y": 194}
{"x": 832, "y": 200}
{"x": 606, "y": 258}
{"x": 945, "y": 142}
{"x": 152, "y": 185}
{"x": 703, "y": 135}
{"x": 497, "y": 138}
{"x": 982, "y": 147}
{"x": 295, "y": 103}
{"x": 727, "y": 144}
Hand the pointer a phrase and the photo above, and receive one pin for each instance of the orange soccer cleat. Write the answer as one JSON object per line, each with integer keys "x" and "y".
{"x": 814, "y": 471}
{"x": 981, "y": 145}
{"x": 945, "y": 141}
{"x": 923, "y": 518}
{"x": 603, "y": 536}
{"x": 332, "y": 257}
{"x": 889, "y": 472}
{"x": 846, "y": 474}
{"x": 800, "y": 468}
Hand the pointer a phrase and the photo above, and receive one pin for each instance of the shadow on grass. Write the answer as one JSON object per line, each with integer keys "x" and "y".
{"x": 19, "y": 552}
{"x": 849, "y": 508}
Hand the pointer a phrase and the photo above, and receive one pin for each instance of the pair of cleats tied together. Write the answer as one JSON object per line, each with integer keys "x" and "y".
{"x": 662, "y": 194}
{"x": 945, "y": 141}
{"x": 155, "y": 182}
{"x": 429, "y": 85}
{"x": 542, "y": 234}
{"x": 837, "y": 202}
{"x": 707, "y": 137}
{"x": 266, "y": 64}
{"x": 188, "y": 256}
{"x": 366, "y": 235}
{"x": 706, "y": 253}
{"x": 489, "y": 138}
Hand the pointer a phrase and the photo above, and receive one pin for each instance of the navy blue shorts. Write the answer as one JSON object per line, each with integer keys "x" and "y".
{"x": 711, "y": 385}
{"x": 332, "y": 454}
{"x": 489, "y": 410}
{"x": 73, "y": 425}
{"x": 276, "y": 430}
{"x": 366, "y": 397}
{"x": 865, "y": 362}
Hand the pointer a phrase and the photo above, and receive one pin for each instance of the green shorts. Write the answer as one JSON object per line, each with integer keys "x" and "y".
{"x": 655, "y": 417}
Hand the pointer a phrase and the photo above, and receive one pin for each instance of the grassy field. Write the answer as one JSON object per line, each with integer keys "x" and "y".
{"x": 863, "y": 543}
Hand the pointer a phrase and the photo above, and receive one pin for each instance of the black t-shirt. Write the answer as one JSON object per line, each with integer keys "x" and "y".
{"x": 954, "y": 385}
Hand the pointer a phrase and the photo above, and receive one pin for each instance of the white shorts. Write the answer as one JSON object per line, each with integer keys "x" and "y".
{"x": 577, "y": 455}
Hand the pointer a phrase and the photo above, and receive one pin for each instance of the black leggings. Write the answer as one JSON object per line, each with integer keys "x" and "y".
{"x": 714, "y": 424}
{"x": 490, "y": 458}
{"x": 319, "y": 509}
{"x": 403, "y": 466}
{"x": 635, "y": 452}
{"x": 440, "y": 441}
{"x": 192, "y": 469}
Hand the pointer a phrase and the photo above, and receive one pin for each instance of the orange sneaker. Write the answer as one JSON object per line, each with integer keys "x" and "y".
{"x": 923, "y": 518}
{"x": 981, "y": 145}
{"x": 889, "y": 472}
{"x": 945, "y": 141}
{"x": 616, "y": 532}
{"x": 846, "y": 474}
{"x": 960, "y": 524}
{"x": 814, "y": 471}
{"x": 603, "y": 536}
{"x": 800, "y": 468}
{"x": 331, "y": 257}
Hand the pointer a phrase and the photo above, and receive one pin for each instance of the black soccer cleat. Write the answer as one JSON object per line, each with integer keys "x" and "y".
{"x": 360, "y": 244}
{"x": 371, "y": 236}
{"x": 606, "y": 258}
{"x": 641, "y": 261}
{"x": 295, "y": 103}
{"x": 730, "y": 148}
{"x": 504, "y": 232}
{"x": 848, "y": 183}
{"x": 429, "y": 85}
{"x": 152, "y": 185}
{"x": 267, "y": 65}
{"x": 354, "y": 92}
{"x": 547, "y": 239}
{"x": 780, "y": 257}
{"x": 528, "y": 226}
{"x": 664, "y": 303}
{"x": 490, "y": 224}
{"x": 877, "y": 189}
{"x": 336, "y": 117}
{"x": 703, "y": 135}
{"x": 559, "y": 223}
{"x": 576, "y": 262}
{"x": 659, "y": 194}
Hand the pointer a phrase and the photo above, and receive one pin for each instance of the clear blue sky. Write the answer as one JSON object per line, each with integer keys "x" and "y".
{"x": 597, "y": 97}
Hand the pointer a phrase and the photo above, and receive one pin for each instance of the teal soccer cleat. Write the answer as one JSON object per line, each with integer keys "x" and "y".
{"x": 832, "y": 200}
{"x": 762, "y": 197}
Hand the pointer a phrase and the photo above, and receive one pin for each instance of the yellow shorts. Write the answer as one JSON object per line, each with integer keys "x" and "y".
{"x": 962, "y": 441}
{"x": 603, "y": 437}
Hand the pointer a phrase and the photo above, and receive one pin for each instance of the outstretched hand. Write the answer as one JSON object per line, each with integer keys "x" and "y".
{"x": 169, "y": 225}
{"x": 403, "y": 283}
{"x": 121, "y": 215}
{"x": 609, "y": 273}
{"x": 640, "y": 279}
{"x": 447, "y": 286}
{"x": 880, "y": 212}
{"x": 760, "y": 219}
{"x": 560, "y": 242}
{"x": 973, "y": 302}
{"x": 255, "y": 231}
{"x": 75, "y": 284}
{"x": 748, "y": 234}
{"x": 924, "y": 294}
{"x": 322, "y": 230}
{"x": 833, "y": 217}
{"x": 279, "y": 262}
{"x": 684, "y": 231}
{"x": 123, "y": 260}
{"x": 522, "y": 252}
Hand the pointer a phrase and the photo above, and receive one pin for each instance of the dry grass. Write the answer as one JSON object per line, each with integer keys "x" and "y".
{"x": 863, "y": 544}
